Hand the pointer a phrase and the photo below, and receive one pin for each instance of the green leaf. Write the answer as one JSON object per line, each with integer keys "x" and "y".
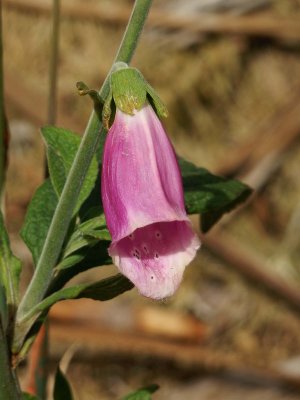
{"x": 103, "y": 290}
{"x": 143, "y": 393}
{"x": 82, "y": 260}
{"x": 62, "y": 389}
{"x": 62, "y": 146}
{"x": 210, "y": 195}
{"x": 92, "y": 207}
{"x": 38, "y": 218}
{"x": 93, "y": 204}
{"x": 87, "y": 234}
{"x": 100, "y": 148}
{"x": 10, "y": 269}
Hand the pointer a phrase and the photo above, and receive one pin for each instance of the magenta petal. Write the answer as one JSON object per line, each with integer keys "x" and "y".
{"x": 142, "y": 194}
{"x": 154, "y": 257}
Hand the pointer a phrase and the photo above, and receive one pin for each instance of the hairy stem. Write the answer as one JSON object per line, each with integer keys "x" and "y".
{"x": 66, "y": 205}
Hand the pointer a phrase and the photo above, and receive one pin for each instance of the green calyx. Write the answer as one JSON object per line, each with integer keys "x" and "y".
{"x": 129, "y": 92}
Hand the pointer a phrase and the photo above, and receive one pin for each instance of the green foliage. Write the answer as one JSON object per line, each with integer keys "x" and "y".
{"x": 103, "y": 290}
{"x": 100, "y": 147}
{"x": 143, "y": 393}
{"x": 62, "y": 389}
{"x": 10, "y": 268}
{"x": 62, "y": 146}
{"x": 87, "y": 234}
{"x": 86, "y": 248}
{"x": 210, "y": 195}
{"x": 38, "y": 218}
{"x": 84, "y": 259}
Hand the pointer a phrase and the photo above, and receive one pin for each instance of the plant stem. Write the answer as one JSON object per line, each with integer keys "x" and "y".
{"x": 66, "y": 205}
{"x": 9, "y": 386}
{"x": 38, "y": 358}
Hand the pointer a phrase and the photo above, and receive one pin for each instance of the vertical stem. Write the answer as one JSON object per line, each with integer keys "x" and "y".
{"x": 64, "y": 211}
{"x": 9, "y": 386}
{"x": 38, "y": 363}
{"x": 52, "y": 100}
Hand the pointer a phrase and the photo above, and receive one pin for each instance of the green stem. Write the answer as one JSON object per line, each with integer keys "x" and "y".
{"x": 9, "y": 386}
{"x": 39, "y": 357}
{"x": 66, "y": 205}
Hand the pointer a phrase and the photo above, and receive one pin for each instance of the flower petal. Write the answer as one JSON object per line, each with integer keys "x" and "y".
{"x": 141, "y": 181}
{"x": 152, "y": 238}
{"x": 154, "y": 257}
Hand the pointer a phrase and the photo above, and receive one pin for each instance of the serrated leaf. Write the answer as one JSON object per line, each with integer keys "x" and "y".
{"x": 38, "y": 218}
{"x": 62, "y": 146}
{"x": 210, "y": 195}
{"x": 103, "y": 290}
{"x": 143, "y": 393}
{"x": 62, "y": 389}
{"x": 10, "y": 269}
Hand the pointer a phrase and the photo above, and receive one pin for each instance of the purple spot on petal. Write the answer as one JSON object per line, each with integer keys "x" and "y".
{"x": 156, "y": 266}
{"x": 158, "y": 235}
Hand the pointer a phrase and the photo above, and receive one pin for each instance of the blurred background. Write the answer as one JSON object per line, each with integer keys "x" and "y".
{"x": 229, "y": 73}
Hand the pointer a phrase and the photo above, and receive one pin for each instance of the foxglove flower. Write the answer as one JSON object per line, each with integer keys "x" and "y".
{"x": 142, "y": 194}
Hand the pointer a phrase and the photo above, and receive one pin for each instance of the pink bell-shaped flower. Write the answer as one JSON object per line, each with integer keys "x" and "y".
{"x": 142, "y": 194}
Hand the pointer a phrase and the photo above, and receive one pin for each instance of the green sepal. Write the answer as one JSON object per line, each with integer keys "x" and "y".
{"x": 98, "y": 101}
{"x": 107, "y": 110}
{"x": 129, "y": 92}
{"x": 155, "y": 101}
{"x": 128, "y": 89}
